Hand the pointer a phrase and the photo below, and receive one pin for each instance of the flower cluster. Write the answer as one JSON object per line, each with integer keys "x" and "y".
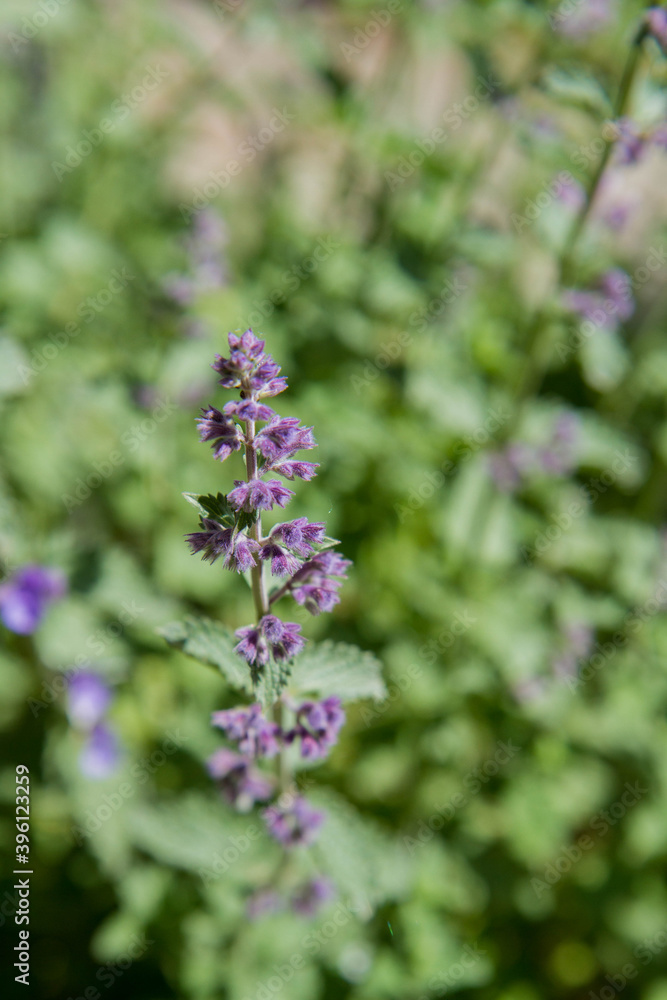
{"x": 296, "y": 552}
{"x": 609, "y": 304}
{"x": 88, "y": 701}
{"x": 291, "y": 548}
{"x": 520, "y": 461}
{"x": 25, "y": 597}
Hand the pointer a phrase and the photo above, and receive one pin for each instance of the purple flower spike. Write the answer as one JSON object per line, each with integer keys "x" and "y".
{"x": 294, "y": 825}
{"x": 88, "y": 697}
{"x": 318, "y": 725}
{"x": 239, "y": 781}
{"x": 25, "y": 597}
{"x": 100, "y": 756}
{"x": 312, "y": 896}
{"x": 299, "y": 535}
{"x": 223, "y": 432}
{"x": 252, "y": 645}
{"x": 256, "y": 736}
{"x": 258, "y": 495}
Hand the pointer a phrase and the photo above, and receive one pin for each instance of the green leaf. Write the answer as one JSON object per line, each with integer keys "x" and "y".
{"x": 327, "y": 668}
{"x": 578, "y": 89}
{"x": 212, "y": 643}
{"x": 216, "y": 507}
{"x": 275, "y": 676}
{"x": 367, "y": 865}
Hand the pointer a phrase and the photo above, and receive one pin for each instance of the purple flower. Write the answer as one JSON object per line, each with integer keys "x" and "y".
{"x": 239, "y": 781}
{"x": 317, "y": 726}
{"x": 271, "y": 635}
{"x": 294, "y": 470}
{"x": 88, "y": 698}
{"x": 258, "y": 495}
{"x": 223, "y": 432}
{"x": 583, "y": 19}
{"x": 294, "y": 825}
{"x": 256, "y": 736}
{"x": 316, "y": 584}
{"x": 216, "y": 541}
{"x": 25, "y": 597}
{"x": 307, "y": 900}
{"x": 656, "y": 21}
{"x": 248, "y": 409}
{"x": 299, "y": 535}
{"x": 282, "y": 562}
{"x": 100, "y": 754}
{"x": 248, "y": 368}
{"x": 612, "y": 302}
{"x": 282, "y": 437}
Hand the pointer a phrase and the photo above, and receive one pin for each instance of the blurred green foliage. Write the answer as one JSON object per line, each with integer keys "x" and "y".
{"x": 405, "y": 340}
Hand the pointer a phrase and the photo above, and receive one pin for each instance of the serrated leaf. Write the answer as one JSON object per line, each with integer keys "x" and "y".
{"x": 328, "y": 667}
{"x": 191, "y": 833}
{"x": 212, "y": 643}
{"x": 216, "y": 507}
{"x": 366, "y": 864}
{"x": 275, "y": 675}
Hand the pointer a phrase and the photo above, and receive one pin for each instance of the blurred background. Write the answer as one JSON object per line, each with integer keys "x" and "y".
{"x": 398, "y": 196}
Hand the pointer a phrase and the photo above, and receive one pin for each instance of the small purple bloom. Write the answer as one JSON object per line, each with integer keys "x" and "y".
{"x": 272, "y": 635}
{"x": 25, "y": 597}
{"x": 258, "y": 495}
{"x": 583, "y": 19}
{"x": 216, "y": 541}
{"x": 88, "y": 698}
{"x": 282, "y": 562}
{"x": 100, "y": 754}
{"x": 223, "y": 432}
{"x": 307, "y": 900}
{"x": 299, "y": 535}
{"x": 317, "y": 726}
{"x": 239, "y": 781}
{"x": 314, "y": 585}
{"x": 656, "y": 20}
{"x": 282, "y": 437}
{"x": 295, "y": 470}
{"x": 630, "y": 142}
{"x": 294, "y": 825}
{"x": 256, "y": 736}
{"x": 248, "y": 409}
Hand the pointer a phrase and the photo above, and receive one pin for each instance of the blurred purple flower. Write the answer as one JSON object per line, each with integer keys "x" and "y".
{"x": 100, "y": 754}
{"x": 611, "y": 303}
{"x": 25, "y": 597}
{"x": 256, "y": 736}
{"x": 312, "y": 896}
{"x": 294, "y": 825}
{"x": 584, "y": 18}
{"x": 317, "y": 726}
{"x": 240, "y": 782}
{"x": 88, "y": 698}
{"x": 656, "y": 21}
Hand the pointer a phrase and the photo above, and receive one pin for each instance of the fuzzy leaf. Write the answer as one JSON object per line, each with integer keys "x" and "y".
{"x": 327, "y": 668}
{"x": 366, "y": 864}
{"x": 211, "y": 643}
{"x": 274, "y": 677}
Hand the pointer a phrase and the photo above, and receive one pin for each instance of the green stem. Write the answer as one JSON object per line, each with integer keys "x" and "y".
{"x": 538, "y": 348}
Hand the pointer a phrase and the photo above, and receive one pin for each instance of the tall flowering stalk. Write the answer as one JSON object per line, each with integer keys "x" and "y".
{"x": 298, "y": 554}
